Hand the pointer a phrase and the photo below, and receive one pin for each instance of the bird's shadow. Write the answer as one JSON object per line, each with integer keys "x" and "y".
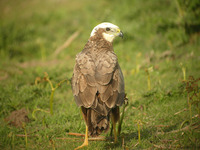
{"x": 124, "y": 137}
{"x": 144, "y": 133}
{"x": 127, "y": 137}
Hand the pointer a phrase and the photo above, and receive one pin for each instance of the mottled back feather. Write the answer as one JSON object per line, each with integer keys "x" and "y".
{"x": 97, "y": 83}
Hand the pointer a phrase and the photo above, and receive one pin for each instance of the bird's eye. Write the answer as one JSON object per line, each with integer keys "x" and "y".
{"x": 107, "y": 29}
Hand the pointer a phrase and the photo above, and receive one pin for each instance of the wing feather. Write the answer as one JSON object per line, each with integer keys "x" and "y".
{"x": 108, "y": 93}
{"x": 83, "y": 81}
{"x": 103, "y": 79}
{"x": 88, "y": 96}
{"x": 111, "y": 102}
{"x": 110, "y": 80}
{"x": 102, "y": 76}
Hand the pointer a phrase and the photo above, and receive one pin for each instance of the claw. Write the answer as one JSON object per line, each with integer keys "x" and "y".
{"x": 83, "y": 145}
{"x": 85, "y": 141}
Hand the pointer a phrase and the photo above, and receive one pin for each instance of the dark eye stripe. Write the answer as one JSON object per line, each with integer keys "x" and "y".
{"x": 107, "y": 29}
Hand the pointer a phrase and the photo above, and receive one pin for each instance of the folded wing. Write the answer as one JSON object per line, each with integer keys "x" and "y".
{"x": 98, "y": 83}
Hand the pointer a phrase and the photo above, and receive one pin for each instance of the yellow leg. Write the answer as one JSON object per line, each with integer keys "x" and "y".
{"x": 114, "y": 128}
{"x": 120, "y": 121}
{"x": 122, "y": 116}
{"x": 85, "y": 141}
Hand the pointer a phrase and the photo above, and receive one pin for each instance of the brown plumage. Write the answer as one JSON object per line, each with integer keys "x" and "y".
{"x": 97, "y": 82}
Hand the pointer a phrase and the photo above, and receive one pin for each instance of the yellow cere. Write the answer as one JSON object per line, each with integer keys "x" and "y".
{"x": 118, "y": 30}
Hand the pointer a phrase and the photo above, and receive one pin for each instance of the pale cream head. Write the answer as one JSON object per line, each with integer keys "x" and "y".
{"x": 111, "y": 31}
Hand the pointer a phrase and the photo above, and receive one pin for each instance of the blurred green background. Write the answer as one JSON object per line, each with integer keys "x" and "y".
{"x": 159, "y": 57}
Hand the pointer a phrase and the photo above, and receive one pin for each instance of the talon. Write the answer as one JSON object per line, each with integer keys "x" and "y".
{"x": 86, "y": 139}
{"x": 83, "y": 145}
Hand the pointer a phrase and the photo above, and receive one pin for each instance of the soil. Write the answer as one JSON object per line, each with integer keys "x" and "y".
{"x": 18, "y": 117}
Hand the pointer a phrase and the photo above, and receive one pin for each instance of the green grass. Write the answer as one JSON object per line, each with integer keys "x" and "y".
{"x": 31, "y": 31}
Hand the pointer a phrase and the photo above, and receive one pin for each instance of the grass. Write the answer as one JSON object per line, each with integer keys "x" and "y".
{"x": 156, "y": 56}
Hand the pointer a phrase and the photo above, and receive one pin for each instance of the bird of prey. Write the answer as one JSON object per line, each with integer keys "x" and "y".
{"x": 98, "y": 82}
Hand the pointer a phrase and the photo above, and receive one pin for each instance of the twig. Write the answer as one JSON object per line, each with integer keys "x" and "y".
{"x": 136, "y": 144}
{"x": 52, "y": 90}
{"x": 160, "y": 146}
{"x": 66, "y": 44}
{"x": 123, "y": 143}
{"x": 138, "y": 123}
{"x": 101, "y": 138}
{"x": 26, "y": 137}
{"x": 52, "y": 144}
{"x": 38, "y": 109}
{"x": 162, "y": 126}
{"x": 148, "y": 70}
{"x": 22, "y": 135}
{"x": 82, "y": 139}
{"x": 59, "y": 138}
{"x": 76, "y": 134}
{"x": 195, "y": 116}
{"x": 193, "y": 126}
{"x": 180, "y": 111}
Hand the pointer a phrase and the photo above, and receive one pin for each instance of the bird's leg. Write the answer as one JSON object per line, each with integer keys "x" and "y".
{"x": 114, "y": 128}
{"x": 111, "y": 130}
{"x": 122, "y": 116}
{"x": 86, "y": 139}
{"x": 120, "y": 121}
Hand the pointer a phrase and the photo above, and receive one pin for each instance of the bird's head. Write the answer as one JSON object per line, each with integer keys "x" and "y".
{"x": 108, "y": 31}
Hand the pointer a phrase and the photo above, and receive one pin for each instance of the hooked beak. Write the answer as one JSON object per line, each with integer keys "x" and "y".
{"x": 121, "y": 34}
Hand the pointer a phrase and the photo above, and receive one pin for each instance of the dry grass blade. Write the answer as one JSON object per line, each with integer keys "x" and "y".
{"x": 136, "y": 144}
{"x": 60, "y": 138}
{"x": 67, "y": 43}
{"x": 192, "y": 127}
{"x": 76, "y": 134}
{"x": 52, "y": 143}
{"x": 22, "y": 135}
{"x": 162, "y": 126}
{"x": 159, "y": 146}
{"x": 101, "y": 138}
{"x": 180, "y": 111}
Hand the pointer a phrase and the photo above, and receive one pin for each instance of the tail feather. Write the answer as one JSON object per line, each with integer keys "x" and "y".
{"x": 97, "y": 123}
